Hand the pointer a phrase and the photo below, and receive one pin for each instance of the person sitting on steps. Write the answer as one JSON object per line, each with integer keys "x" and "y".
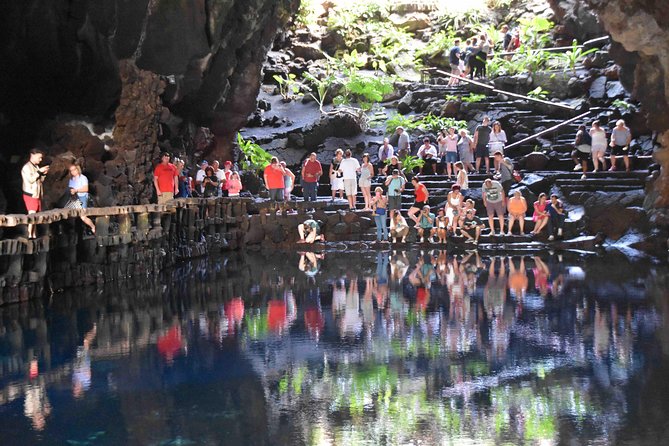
{"x": 425, "y": 225}
{"x": 398, "y": 226}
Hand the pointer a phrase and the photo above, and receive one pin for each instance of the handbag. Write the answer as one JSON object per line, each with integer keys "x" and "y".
{"x": 74, "y": 202}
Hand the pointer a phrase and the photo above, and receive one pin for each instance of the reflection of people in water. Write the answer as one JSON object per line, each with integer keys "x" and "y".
{"x": 381, "y": 280}
{"x": 309, "y": 231}
{"x": 309, "y": 263}
{"x": 421, "y": 277}
{"x": 170, "y": 344}
{"x": 36, "y": 405}
{"x": 518, "y": 279}
{"x": 541, "y": 274}
{"x": 350, "y": 322}
{"x": 81, "y": 375}
{"x": 313, "y": 314}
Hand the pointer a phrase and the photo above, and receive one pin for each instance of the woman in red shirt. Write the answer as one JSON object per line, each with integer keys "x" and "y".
{"x": 421, "y": 198}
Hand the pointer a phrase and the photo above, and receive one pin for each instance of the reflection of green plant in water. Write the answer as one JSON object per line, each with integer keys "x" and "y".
{"x": 256, "y": 325}
{"x": 287, "y": 85}
{"x": 254, "y": 157}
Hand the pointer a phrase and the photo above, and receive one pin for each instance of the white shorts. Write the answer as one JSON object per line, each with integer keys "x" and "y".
{"x": 337, "y": 183}
{"x": 351, "y": 187}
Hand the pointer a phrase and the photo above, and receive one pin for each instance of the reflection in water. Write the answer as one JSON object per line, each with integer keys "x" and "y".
{"x": 355, "y": 348}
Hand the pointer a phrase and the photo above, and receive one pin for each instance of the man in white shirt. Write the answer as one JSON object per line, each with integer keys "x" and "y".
{"x": 403, "y": 143}
{"x": 219, "y": 174}
{"x": 428, "y": 153}
{"x": 385, "y": 153}
{"x": 350, "y": 167}
{"x": 199, "y": 177}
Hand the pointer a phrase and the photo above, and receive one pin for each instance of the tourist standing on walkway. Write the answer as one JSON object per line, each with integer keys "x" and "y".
{"x": 451, "y": 150}
{"x": 379, "y": 205}
{"x": 224, "y": 178}
{"x": 422, "y": 195}
{"x": 556, "y": 217}
{"x": 166, "y": 179}
{"x": 184, "y": 180}
{"x": 350, "y": 167}
{"x": 540, "y": 215}
{"x": 210, "y": 183}
{"x": 395, "y": 184}
{"x": 454, "y": 60}
{"x": 336, "y": 176}
{"x": 274, "y": 180}
{"x": 461, "y": 177}
{"x": 472, "y": 51}
{"x": 497, "y": 141}
{"x": 466, "y": 150}
{"x": 234, "y": 185}
{"x": 288, "y": 181}
{"x": 485, "y": 48}
{"x": 386, "y": 152}
{"x": 517, "y": 207}
{"x": 199, "y": 177}
{"x": 441, "y": 149}
{"x": 583, "y": 148}
{"x": 598, "y": 136}
{"x": 365, "y": 182}
{"x": 403, "y": 143}
{"x": 493, "y": 200}
{"x": 220, "y": 175}
{"x": 398, "y": 226}
{"x": 311, "y": 173}
{"x": 428, "y": 153}
{"x": 481, "y": 140}
{"x": 78, "y": 185}
{"x": 505, "y": 172}
{"x": 621, "y": 137}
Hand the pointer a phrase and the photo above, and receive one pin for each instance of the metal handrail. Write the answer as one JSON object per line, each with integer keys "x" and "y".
{"x": 551, "y": 129}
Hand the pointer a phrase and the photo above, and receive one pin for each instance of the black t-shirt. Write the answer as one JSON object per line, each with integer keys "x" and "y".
{"x": 484, "y": 135}
{"x": 471, "y": 224}
{"x": 507, "y": 40}
{"x": 211, "y": 190}
{"x": 454, "y": 55}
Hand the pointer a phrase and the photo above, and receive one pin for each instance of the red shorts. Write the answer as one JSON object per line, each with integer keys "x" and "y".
{"x": 32, "y": 203}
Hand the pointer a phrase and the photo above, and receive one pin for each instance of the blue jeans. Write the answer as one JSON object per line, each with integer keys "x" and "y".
{"x": 381, "y": 227}
{"x": 309, "y": 190}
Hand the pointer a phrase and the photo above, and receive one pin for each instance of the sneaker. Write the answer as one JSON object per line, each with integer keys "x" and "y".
{"x": 551, "y": 238}
{"x": 612, "y": 169}
{"x": 560, "y": 232}
{"x": 577, "y": 168}
{"x": 509, "y": 234}
{"x": 583, "y": 177}
{"x": 476, "y": 242}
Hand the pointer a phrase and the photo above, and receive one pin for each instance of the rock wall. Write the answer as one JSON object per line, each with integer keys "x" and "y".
{"x": 640, "y": 32}
{"x": 64, "y": 57}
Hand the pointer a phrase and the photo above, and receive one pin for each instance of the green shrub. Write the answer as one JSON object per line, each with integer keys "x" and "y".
{"x": 254, "y": 157}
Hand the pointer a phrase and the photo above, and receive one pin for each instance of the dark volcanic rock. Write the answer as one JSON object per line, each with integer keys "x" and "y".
{"x": 535, "y": 161}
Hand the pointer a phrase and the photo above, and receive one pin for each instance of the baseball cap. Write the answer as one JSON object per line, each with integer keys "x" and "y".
{"x": 396, "y": 172}
{"x": 228, "y": 163}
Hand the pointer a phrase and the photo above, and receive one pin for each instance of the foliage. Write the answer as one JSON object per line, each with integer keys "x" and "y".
{"x": 433, "y": 123}
{"x": 623, "y": 105}
{"x": 306, "y": 14}
{"x": 366, "y": 90}
{"x": 535, "y": 32}
{"x": 538, "y": 93}
{"x": 524, "y": 60}
{"x": 575, "y": 55}
{"x": 397, "y": 120}
{"x": 410, "y": 162}
{"x": 473, "y": 98}
{"x": 254, "y": 156}
{"x": 460, "y": 20}
{"x": 288, "y": 86}
{"x": 321, "y": 85}
{"x": 439, "y": 43}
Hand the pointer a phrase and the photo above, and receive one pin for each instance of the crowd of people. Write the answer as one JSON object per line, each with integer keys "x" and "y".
{"x": 456, "y": 155}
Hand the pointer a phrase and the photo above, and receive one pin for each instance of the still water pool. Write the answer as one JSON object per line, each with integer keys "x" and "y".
{"x": 413, "y": 348}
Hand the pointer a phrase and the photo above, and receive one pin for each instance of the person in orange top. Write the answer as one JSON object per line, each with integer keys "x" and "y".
{"x": 273, "y": 177}
{"x": 421, "y": 198}
{"x": 166, "y": 179}
{"x": 517, "y": 207}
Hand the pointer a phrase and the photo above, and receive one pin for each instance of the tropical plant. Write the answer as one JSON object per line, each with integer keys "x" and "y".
{"x": 321, "y": 86}
{"x": 573, "y": 56}
{"x": 623, "y": 105}
{"x": 538, "y": 93}
{"x": 432, "y": 123}
{"x": 535, "y": 32}
{"x": 364, "y": 90}
{"x": 288, "y": 86}
{"x": 439, "y": 43}
{"x": 397, "y": 120}
{"x": 410, "y": 163}
{"x": 254, "y": 157}
{"x": 473, "y": 98}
